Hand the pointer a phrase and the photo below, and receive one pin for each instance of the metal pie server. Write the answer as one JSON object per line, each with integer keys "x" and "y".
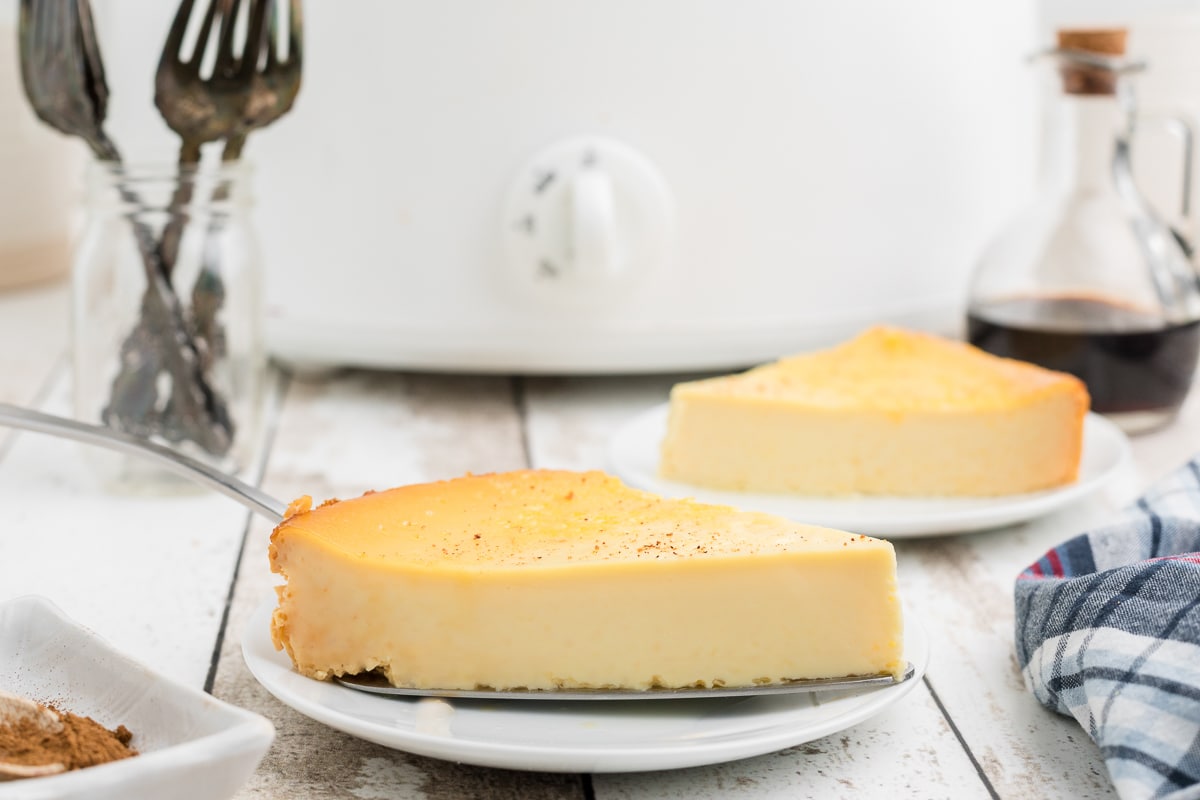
{"x": 376, "y": 684}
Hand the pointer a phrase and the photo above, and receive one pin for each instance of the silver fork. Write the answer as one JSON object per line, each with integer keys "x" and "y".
{"x": 274, "y": 89}
{"x": 200, "y": 109}
{"x": 274, "y": 86}
{"x": 204, "y": 109}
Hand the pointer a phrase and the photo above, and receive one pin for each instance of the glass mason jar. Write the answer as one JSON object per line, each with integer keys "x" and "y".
{"x": 166, "y": 310}
{"x": 1090, "y": 279}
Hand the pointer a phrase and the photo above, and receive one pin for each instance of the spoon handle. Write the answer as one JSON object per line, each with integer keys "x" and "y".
{"x": 249, "y": 496}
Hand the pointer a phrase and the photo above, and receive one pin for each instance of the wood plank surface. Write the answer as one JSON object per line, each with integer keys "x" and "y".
{"x": 154, "y": 574}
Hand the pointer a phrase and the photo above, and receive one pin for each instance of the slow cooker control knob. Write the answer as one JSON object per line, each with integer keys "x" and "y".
{"x": 592, "y": 238}
{"x": 586, "y": 219}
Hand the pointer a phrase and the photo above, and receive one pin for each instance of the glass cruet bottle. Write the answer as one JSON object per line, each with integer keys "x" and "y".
{"x": 1090, "y": 280}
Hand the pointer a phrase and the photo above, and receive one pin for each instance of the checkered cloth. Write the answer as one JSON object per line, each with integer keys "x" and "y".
{"x": 1108, "y": 631}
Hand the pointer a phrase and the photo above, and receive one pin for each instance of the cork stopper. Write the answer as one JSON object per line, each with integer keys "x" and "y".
{"x": 1101, "y": 41}
{"x": 1084, "y": 79}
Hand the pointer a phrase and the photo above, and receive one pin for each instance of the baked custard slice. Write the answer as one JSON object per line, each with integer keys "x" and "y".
{"x": 891, "y": 412}
{"x": 551, "y": 579}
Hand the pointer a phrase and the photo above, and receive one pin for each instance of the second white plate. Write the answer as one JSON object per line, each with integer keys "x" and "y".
{"x": 634, "y": 456}
{"x": 581, "y": 735}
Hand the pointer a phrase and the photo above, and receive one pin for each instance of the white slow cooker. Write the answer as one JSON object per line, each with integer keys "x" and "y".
{"x": 575, "y": 186}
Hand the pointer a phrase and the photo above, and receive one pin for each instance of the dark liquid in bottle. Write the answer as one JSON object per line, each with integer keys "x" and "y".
{"x": 1130, "y": 360}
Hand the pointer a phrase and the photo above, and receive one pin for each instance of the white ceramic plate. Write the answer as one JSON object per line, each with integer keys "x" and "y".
{"x": 580, "y": 736}
{"x": 192, "y": 746}
{"x": 634, "y": 454}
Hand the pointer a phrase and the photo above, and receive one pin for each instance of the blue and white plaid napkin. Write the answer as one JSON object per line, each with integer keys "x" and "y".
{"x": 1108, "y": 631}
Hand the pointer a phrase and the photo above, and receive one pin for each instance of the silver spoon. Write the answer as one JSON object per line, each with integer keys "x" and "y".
{"x": 63, "y": 77}
{"x": 261, "y": 503}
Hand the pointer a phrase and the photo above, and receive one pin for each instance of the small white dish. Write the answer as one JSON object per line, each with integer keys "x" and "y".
{"x": 575, "y": 736}
{"x": 634, "y": 456}
{"x": 191, "y": 745}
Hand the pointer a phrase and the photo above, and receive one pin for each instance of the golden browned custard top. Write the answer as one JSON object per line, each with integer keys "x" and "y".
{"x": 549, "y": 518}
{"x": 891, "y": 369}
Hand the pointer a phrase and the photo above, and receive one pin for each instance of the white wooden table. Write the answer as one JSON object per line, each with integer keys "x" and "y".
{"x": 171, "y": 580}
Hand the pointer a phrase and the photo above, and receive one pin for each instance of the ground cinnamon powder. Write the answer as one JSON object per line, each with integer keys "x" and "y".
{"x": 82, "y": 742}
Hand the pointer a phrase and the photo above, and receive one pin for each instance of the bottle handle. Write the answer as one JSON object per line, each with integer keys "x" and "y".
{"x": 1184, "y": 126}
